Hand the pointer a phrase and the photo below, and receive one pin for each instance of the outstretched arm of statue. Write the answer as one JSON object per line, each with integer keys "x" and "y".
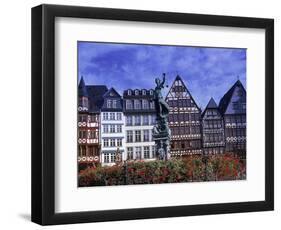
{"x": 163, "y": 81}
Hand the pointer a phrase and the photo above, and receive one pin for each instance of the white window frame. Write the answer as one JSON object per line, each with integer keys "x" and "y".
{"x": 146, "y": 152}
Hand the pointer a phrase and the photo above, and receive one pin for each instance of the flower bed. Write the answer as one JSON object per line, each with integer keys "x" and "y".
{"x": 190, "y": 169}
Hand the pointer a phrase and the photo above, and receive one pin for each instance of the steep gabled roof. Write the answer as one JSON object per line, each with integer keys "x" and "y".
{"x": 96, "y": 93}
{"x": 111, "y": 91}
{"x": 82, "y": 91}
{"x": 225, "y": 100}
{"x": 178, "y": 78}
{"x": 211, "y": 105}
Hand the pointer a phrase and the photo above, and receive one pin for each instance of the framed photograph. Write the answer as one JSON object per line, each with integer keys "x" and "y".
{"x": 142, "y": 114}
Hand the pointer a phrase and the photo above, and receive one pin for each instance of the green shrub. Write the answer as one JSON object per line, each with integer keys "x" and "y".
{"x": 190, "y": 169}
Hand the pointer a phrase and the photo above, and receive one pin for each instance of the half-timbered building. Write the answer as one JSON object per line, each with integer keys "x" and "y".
{"x": 233, "y": 108}
{"x": 89, "y": 103}
{"x": 184, "y": 121}
{"x": 139, "y": 112}
{"x": 212, "y": 129}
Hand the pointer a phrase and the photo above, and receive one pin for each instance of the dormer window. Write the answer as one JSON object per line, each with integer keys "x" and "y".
{"x": 136, "y": 92}
{"x": 151, "y": 92}
{"x": 143, "y": 92}
{"x": 129, "y": 92}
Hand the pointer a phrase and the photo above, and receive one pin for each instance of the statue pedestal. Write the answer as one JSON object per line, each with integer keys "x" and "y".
{"x": 162, "y": 142}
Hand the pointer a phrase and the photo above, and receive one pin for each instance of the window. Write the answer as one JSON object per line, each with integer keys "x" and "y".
{"x": 114, "y": 104}
{"x": 181, "y": 116}
{"x": 129, "y": 104}
{"x": 192, "y": 117}
{"x": 109, "y": 103}
{"x": 84, "y": 102}
{"x": 112, "y": 128}
{"x": 82, "y": 150}
{"x": 82, "y": 118}
{"x": 83, "y": 133}
{"x": 145, "y": 104}
{"x": 112, "y": 157}
{"x": 143, "y": 92}
{"x": 119, "y": 142}
{"x": 238, "y": 119}
{"x": 129, "y": 136}
{"x": 105, "y": 116}
{"x": 137, "y": 136}
{"x": 105, "y": 142}
{"x": 187, "y": 130}
{"x": 182, "y": 145}
{"x": 130, "y": 153}
{"x": 145, "y": 120}
{"x": 119, "y": 128}
{"x": 112, "y": 116}
{"x": 112, "y": 142}
{"x": 171, "y": 118}
{"x": 138, "y": 152}
{"x": 129, "y": 92}
{"x": 197, "y": 116}
{"x": 187, "y": 117}
{"x": 136, "y": 92}
{"x": 151, "y": 92}
{"x": 106, "y": 158}
{"x": 227, "y": 119}
{"x": 152, "y": 105}
{"x": 93, "y": 118}
{"x": 137, "y": 104}
{"x": 146, "y": 152}
{"x": 153, "y": 151}
{"x": 146, "y": 135}
{"x": 215, "y": 124}
{"x": 180, "y": 103}
{"x": 193, "y": 130}
{"x": 153, "y": 120}
{"x": 206, "y": 137}
{"x": 236, "y": 106}
{"x": 182, "y": 130}
{"x": 119, "y": 116}
{"x": 138, "y": 120}
{"x": 129, "y": 120}
{"x": 93, "y": 134}
{"x": 105, "y": 128}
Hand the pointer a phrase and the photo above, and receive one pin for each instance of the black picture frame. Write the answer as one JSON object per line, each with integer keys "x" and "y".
{"x": 43, "y": 114}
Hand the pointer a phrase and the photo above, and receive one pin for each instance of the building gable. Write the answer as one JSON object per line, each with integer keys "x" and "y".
{"x": 112, "y": 101}
{"x": 179, "y": 92}
{"x": 234, "y": 101}
{"x": 211, "y": 110}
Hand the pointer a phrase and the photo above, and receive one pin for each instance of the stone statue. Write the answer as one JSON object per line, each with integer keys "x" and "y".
{"x": 162, "y": 108}
{"x": 161, "y": 131}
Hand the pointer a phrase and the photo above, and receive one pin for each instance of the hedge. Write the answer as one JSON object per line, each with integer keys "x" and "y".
{"x": 191, "y": 169}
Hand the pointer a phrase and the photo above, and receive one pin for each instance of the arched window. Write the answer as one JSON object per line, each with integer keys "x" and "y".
{"x": 136, "y": 92}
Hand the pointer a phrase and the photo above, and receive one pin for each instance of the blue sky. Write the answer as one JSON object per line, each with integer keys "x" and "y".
{"x": 207, "y": 72}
